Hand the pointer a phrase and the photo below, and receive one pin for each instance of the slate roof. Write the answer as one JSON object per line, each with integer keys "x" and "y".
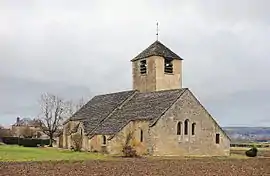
{"x": 99, "y": 107}
{"x": 142, "y": 106}
{"x": 108, "y": 114}
{"x": 157, "y": 49}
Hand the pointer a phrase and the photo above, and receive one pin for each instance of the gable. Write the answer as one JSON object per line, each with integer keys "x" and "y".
{"x": 209, "y": 115}
{"x": 189, "y": 106}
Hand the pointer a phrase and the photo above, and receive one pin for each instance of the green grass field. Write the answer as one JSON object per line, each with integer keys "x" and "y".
{"x": 17, "y": 153}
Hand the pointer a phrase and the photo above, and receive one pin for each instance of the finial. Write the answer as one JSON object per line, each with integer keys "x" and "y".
{"x": 157, "y": 31}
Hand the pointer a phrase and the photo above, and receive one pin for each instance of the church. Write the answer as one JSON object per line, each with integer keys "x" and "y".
{"x": 164, "y": 118}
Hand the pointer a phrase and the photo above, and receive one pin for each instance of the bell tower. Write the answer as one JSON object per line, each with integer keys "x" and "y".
{"x": 157, "y": 68}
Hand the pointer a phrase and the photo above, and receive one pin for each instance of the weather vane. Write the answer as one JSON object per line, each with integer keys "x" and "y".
{"x": 157, "y": 31}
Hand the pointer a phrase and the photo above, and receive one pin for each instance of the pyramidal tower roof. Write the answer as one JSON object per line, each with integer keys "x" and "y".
{"x": 157, "y": 49}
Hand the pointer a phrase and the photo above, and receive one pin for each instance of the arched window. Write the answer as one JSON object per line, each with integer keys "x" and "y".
{"x": 193, "y": 128}
{"x": 141, "y": 135}
{"x": 179, "y": 128}
{"x": 104, "y": 140}
{"x": 186, "y": 126}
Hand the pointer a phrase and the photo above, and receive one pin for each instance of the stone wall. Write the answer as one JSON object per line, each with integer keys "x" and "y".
{"x": 115, "y": 145}
{"x": 68, "y": 127}
{"x": 162, "y": 138}
{"x": 58, "y": 142}
{"x": 155, "y": 79}
{"x": 165, "y": 81}
{"x": 167, "y": 142}
{"x": 85, "y": 139}
{"x": 69, "y": 130}
{"x": 144, "y": 82}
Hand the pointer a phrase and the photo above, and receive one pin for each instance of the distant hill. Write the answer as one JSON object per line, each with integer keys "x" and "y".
{"x": 248, "y": 134}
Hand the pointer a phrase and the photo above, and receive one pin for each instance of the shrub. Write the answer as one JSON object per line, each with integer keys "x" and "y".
{"x": 129, "y": 151}
{"x": 45, "y": 141}
{"x": 252, "y": 152}
{"x": 104, "y": 150}
{"x": 11, "y": 140}
{"x": 128, "y": 148}
{"x": 26, "y": 142}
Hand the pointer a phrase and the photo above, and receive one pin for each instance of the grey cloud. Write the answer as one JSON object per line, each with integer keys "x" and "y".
{"x": 19, "y": 97}
{"x": 87, "y": 45}
{"x": 241, "y": 108}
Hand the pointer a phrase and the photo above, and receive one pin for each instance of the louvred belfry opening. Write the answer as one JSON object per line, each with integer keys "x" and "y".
{"x": 168, "y": 66}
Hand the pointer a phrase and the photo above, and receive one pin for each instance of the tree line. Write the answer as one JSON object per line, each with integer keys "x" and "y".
{"x": 54, "y": 110}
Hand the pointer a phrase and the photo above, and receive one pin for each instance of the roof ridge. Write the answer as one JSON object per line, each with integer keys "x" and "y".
{"x": 165, "y": 90}
{"x": 114, "y": 93}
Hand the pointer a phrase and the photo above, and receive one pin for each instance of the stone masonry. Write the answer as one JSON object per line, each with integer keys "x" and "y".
{"x": 163, "y": 118}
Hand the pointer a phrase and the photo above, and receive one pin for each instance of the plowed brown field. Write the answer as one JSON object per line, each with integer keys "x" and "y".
{"x": 136, "y": 167}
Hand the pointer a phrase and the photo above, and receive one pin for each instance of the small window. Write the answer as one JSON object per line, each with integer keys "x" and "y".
{"x": 143, "y": 66}
{"x": 81, "y": 131}
{"x": 141, "y": 135}
{"x": 179, "y": 128}
{"x": 104, "y": 140}
{"x": 217, "y": 138}
{"x": 168, "y": 66}
{"x": 186, "y": 126}
{"x": 193, "y": 129}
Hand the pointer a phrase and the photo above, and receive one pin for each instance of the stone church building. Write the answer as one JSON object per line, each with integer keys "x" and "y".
{"x": 163, "y": 118}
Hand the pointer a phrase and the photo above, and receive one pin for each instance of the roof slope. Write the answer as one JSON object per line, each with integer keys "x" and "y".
{"x": 157, "y": 49}
{"x": 99, "y": 108}
{"x": 142, "y": 106}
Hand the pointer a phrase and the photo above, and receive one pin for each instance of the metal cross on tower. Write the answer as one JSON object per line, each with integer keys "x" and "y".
{"x": 157, "y": 31}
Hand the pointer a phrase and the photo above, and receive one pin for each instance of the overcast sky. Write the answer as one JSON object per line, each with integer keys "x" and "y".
{"x": 83, "y": 48}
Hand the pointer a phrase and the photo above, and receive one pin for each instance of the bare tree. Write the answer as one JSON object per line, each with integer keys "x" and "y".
{"x": 54, "y": 111}
{"x": 27, "y": 132}
{"x": 80, "y": 104}
{"x": 74, "y": 107}
{"x": 70, "y": 108}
